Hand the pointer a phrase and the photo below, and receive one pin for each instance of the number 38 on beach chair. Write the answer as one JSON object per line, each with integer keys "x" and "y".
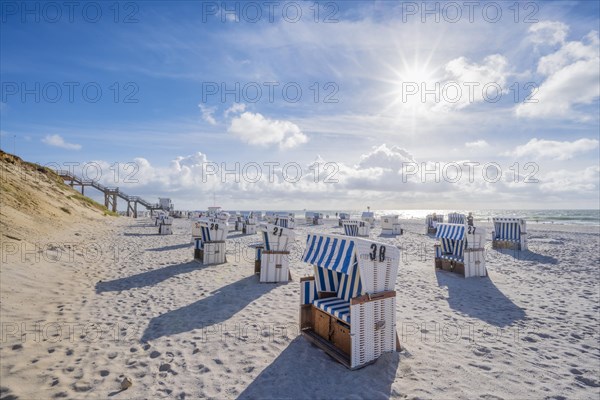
{"x": 348, "y": 308}
{"x": 272, "y": 257}
{"x": 210, "y": 247}
{"x": 509, "y": 233}
{"x": 461, "y": 249}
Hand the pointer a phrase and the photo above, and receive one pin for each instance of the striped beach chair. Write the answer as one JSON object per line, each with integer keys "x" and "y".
{"x": 272, "y": 256}
{"x": 342, "y": 217}
{"x": 460, "y": 249}
{"x": 456, "y": 218}
{"x": 509, "y": 233}
{"x": 210, "y": 246}
{"x": 390, "y": 225}
{"x": 348, "y": 308}
{"x": 356, "y": 228}
{"x": 285, "y": 221}
{"x": 431, "y": 222}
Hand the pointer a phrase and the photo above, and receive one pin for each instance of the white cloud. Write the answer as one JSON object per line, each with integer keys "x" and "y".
{"x": 207, "y": 114}
{"x": 386, "y": 157}
{"x": 577, "y": 182}
{"x": 236, "y": 108}
{"x": 58, "y": 141}
{"x": 255, "y": 129}
{"x": 571, "y": 79}
{"x": 472, "y": 78}
{"x": 548, "y": 32}
{"x": 541, "y": 148}
{"x": 380, "y": 179}
{"x": 477, "y": 144}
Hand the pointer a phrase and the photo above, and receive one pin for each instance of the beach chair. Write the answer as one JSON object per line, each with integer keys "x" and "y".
{"x": 369, "y": 217}
{"x": 342, "y": 217}
{"x": 509, "y": 233}
{"x": 460, "y": 249}
{"x": 314, "y": 218}
{"x": 249, "y": 223}
{"x": 431, "y": 222}
{"x": 272, "y": 256}
{"x": 356, "y": 228}
{"x": 285, "y": 222}
{"x": 158, "y": 218}
{"x": 166, "y": 225}
{"x": 270, "y": 217}
{"x": 390, "y": 225}
{"x": 210, "y": 247}
{"x": 456, "y": 218}
{"x": 348, "y": 308}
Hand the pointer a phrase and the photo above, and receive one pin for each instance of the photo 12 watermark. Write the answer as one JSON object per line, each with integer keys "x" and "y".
{"x": 269, "y": 92}
{"x": 52, "y": 12}
{"x": 453, "y": 12}
{"x": 252, "y": 12}
{"x": 69, "y": 92}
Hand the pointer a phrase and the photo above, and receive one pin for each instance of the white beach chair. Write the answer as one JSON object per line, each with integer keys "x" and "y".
{"x": 314, "y": 218}
{"x": 285, "y": 221}
{"x": 356, "y": 228}
{"x": 369, "y": 217}
{"x": 249, "y": 223}
{"x": 272, "y": 257}
{"x": 509, "y": 233}
{"x": 348, "y": 308}
{"x": 342, "y": 217}
{"x": 211, "y": 246}
{"x": 431, "y": 222}
{"x": 461, "y": 249}
{"x": 390, "y": 225}
{"x": 165, "y": 226}
{"x": 270, "y": 217}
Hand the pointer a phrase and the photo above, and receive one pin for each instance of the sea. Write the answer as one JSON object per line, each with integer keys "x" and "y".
{"x": 565, "y": 217}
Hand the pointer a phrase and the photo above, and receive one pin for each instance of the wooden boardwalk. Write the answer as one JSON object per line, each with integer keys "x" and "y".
{"x": 110, "y": 194}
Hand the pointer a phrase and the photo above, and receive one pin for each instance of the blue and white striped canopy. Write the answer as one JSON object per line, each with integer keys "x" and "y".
{"x": 334, "y": 253}
{"x": 450, "y": 231}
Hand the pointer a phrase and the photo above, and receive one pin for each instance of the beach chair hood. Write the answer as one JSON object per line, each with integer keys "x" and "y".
{"x": 341, "y": 253}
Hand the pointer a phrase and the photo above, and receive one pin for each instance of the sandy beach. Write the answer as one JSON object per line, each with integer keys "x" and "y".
{"x": 128, "y": 302}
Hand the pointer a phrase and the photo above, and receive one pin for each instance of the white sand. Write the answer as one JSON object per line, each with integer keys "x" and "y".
{"x": 179, "y": 329}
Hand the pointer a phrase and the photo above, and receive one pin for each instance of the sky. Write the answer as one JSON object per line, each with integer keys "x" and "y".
{"x": 310, "y": 105}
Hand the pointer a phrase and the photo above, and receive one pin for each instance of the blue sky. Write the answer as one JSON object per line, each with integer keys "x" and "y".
{"x": 367, "y": 59}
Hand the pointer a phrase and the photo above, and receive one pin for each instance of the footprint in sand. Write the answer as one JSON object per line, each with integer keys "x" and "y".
{"x": 587, "y": 381}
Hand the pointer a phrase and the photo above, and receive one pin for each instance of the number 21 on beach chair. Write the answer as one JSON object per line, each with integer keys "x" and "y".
{"x": 272, "y": 257}
{"x": 348, "y": 308}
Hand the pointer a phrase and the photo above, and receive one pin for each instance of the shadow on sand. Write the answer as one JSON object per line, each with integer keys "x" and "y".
{"x": 479, "y": 298}
{"x": 527, "y": 255}
{"x": 219, "y": 306}
{"x": 172, "y": 247}
{"x": 147, "y": 278}
{"x": 302, "y": 371}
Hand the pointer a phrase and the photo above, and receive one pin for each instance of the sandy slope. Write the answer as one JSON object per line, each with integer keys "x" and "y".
{"x": 144, "y": 309}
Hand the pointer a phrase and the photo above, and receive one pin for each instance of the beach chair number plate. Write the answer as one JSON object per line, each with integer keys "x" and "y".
{"x": 373, "y": 254}
{"x": 277, "y": 231}
{"x": 471, "y": 230}
{"x": 214, "y": 227}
